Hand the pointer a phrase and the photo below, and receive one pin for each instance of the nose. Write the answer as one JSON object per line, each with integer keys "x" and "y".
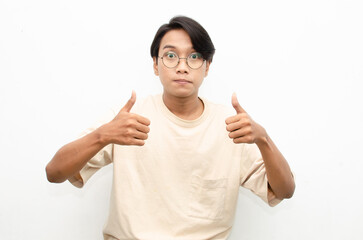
{"x": 182, "y": 66}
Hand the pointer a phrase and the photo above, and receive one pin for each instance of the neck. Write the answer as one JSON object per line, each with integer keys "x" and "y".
{"x": 187, "y": 108}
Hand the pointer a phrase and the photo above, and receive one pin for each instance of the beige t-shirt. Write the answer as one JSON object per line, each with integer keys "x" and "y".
{"x": 183, "y": 183}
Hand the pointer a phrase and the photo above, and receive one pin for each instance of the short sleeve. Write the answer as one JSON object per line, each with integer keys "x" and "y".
{"x": 101, "y": 159}
{"x": 253, "y": 174}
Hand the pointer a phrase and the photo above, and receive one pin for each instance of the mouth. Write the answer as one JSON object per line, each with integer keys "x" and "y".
{"x": 182, "y": 81}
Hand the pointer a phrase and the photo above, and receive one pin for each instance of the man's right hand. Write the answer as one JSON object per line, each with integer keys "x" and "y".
{"x": 126, "y": 128}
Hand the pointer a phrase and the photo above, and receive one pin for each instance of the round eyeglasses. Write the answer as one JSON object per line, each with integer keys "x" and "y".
{"x": 171, "y": 60}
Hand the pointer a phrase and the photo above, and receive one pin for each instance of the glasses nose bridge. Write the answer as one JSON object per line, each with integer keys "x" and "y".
{"x": 186, "y": 61}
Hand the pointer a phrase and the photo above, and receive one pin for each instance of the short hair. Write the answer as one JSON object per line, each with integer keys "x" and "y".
{"x": 201, "y": 41}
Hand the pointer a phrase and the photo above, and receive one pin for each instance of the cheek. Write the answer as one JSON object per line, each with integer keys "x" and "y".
{"x": 163, "y": 75}
{"x": 163, "y": 72}
{"x": 202, "y": 74}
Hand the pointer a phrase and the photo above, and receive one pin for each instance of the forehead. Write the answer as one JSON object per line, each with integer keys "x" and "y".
{"x": 178, "y": 39}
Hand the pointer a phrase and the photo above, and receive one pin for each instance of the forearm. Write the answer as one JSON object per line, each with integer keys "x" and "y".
{"x": 71, "y": 158}
{"x": 242, "y": 129}
{"x": 278, "y": 171}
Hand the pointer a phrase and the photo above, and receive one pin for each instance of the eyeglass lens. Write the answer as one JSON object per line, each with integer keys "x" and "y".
{"x": 171, "y": 60}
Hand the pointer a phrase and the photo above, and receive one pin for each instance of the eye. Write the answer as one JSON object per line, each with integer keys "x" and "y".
{"x": 170, "y": 55}
{"x": 195, "y": 56}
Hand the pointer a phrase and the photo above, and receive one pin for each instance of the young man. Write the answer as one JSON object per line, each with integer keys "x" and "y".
{"x": 178, "y": 159}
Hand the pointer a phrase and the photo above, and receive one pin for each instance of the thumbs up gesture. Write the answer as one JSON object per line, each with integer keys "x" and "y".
{"x": 127, "y": 128}
{"x": 241, "y": 127}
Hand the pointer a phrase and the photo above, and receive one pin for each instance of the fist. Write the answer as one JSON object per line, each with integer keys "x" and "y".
{"x": 127, "y": 128}
{"x": 241, "y": 127}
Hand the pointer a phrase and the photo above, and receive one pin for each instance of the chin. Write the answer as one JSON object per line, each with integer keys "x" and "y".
{"x": 180, "y": 93}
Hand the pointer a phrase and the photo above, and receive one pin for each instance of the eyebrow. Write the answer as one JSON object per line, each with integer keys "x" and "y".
{"x": 169, "y": 46}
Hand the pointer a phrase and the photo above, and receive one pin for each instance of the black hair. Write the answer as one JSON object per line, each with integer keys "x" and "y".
{"x": 201, "y": 41}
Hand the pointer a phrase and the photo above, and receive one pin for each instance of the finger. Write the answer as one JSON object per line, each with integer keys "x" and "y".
{"x": 237, "y": 125}
{"x": 240, "y": 133}
{"x": 236, "y": 104}
{"x": 244, "y": 139}
{"x": 236, "y": 118}
{"x": 233, "y": 126}
{"x": 140, "y": 135}
{"x": 142, "y": 120}
{"x": 232, "y": 119}
{"x": 142, "y": 128}
{"x": 129, "y": 103}
{"x": 137, "y": 142}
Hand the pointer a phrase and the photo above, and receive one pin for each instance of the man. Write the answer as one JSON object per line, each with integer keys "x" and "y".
{"x": 178, "y": 159}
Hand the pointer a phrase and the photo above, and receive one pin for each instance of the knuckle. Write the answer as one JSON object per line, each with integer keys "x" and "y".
{"x": 249, "y": 130}
{"x": 245, "y": 123}
{"x": 230, "y": 135}
{"x": 129, "y": 131}
{"x": 132, "y": 123}
{"x": 128, "y": 122}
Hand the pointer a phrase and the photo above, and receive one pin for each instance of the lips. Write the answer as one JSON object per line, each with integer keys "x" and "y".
{"x": 182, "y": 81}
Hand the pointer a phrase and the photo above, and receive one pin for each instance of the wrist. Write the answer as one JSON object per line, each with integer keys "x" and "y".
{"x": 262, "y": 140}
{"x": 101, "y": 136}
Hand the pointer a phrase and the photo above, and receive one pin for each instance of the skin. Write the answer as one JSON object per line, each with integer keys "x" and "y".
{"x": 125, "y": 129}
{"x": 180, "y": 95}
{"x": 242, "y": 129}
{"x": 183, "y": 101}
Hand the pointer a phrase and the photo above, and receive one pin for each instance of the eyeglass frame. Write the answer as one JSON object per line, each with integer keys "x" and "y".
{"x": 186, "y": 59}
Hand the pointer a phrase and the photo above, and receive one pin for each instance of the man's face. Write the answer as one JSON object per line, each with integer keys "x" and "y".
{"x": 180, "y": 81}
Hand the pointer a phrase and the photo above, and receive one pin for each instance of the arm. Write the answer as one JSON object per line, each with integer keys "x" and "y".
{"x": 71, "y": 158}
{"x": 244, "y": 130}
{"x": 125, "y": 129}
{"x": 278, "y": 171}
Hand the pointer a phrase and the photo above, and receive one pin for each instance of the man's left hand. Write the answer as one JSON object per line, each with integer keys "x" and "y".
{"x": 241, "y": 127}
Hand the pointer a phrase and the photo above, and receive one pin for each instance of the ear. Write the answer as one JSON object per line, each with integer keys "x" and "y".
{"x": 155, "y": 66}
{"x": 207, "y": 68}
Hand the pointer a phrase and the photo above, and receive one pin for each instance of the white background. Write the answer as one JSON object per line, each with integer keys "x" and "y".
{"x": 296, "y": 66}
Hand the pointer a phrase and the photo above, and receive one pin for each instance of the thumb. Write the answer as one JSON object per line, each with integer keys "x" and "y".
{"x": 129, "y": 103}
{"x": 236, "y": 105}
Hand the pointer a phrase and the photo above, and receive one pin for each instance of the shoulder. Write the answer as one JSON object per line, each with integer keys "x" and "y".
{"x": 218, "y": 109}
{"x": 141, "y": 104}
{"x": 148, "y": 103}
